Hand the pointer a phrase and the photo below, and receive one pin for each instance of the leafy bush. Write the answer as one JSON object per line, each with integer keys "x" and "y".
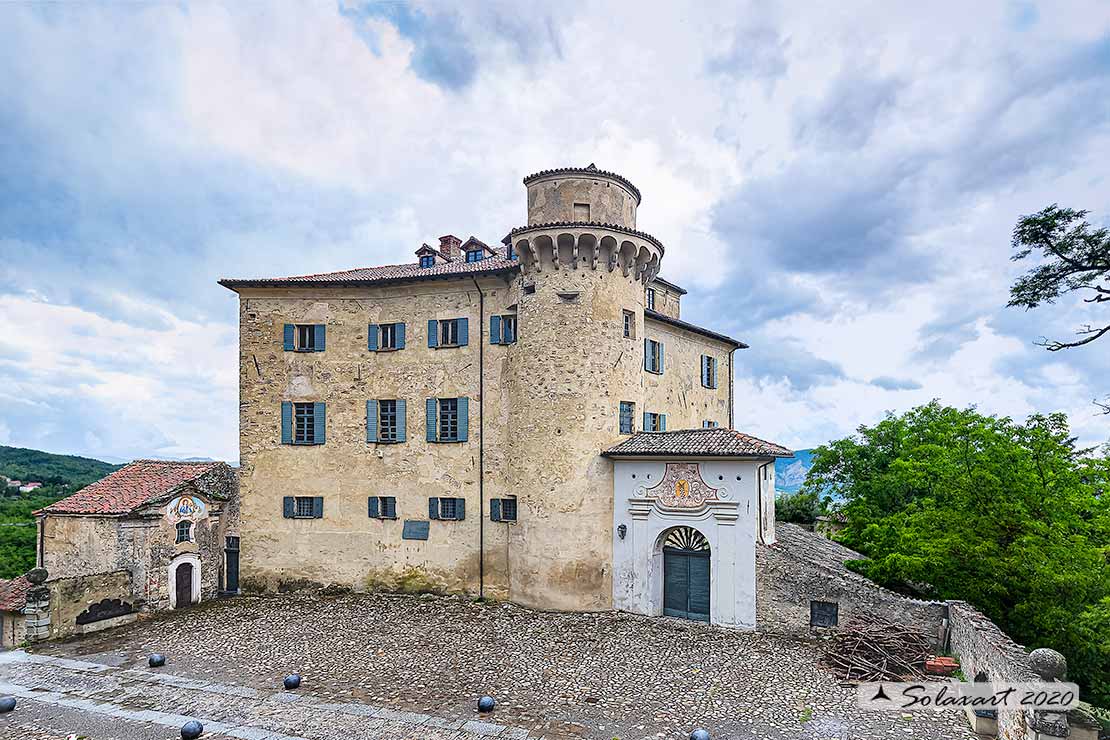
{"x": 1012, "y": 517}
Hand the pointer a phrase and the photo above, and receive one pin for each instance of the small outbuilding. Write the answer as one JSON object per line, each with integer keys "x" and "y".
{"x": 689, "y": 507}
{"x": 153, "y": 535}
{"x": 13, "y": 601}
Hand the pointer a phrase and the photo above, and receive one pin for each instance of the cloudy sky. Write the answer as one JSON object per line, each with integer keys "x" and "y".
{"x": 835, "y": 185}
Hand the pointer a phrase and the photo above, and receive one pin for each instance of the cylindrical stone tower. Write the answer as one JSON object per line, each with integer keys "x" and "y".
{"x": 583, "y": 267}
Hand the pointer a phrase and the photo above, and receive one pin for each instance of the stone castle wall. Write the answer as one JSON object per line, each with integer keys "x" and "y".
{"x": 347, "y": 547}
{"x": 803, "y": 567}
{"x": 678, "y": 392}
{"x": 553, "y": 199}
{"x": 667, "y": 302}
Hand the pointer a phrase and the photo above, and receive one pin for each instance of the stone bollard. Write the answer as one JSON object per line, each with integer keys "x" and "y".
{"x": 1050, "y": 666}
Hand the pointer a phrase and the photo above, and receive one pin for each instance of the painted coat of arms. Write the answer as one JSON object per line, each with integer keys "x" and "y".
{"x": 682, "y": 487}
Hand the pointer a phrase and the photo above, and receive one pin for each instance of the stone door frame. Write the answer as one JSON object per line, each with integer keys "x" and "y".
{"x": 171, "y": 577}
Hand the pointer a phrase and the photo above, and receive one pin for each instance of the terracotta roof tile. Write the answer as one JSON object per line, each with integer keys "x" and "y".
{"x": 13, "y": 594}
{"x": 130, "y": 487}
{"x": 382, "y": 274}
{"x": 697, "y": 443}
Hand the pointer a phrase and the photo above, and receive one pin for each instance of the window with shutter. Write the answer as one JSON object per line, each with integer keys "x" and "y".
{"x": 627, "y": 414}
{"x": 303, "y": 507}
{"x": 448, "y": 420}
{"x": 288, "y": 507}
{"x": 431, "y": 425}
{"x": 508, "y": 329}
{"x": 371, "y": 421}
{"x": 387, "y": 421}
{"x": 653, "y": 356}
{"x": 304, "y": 423}
{"x": 389, "y": 507}
{"x": 372, "y": 507}
{"x": 286, "y": 423}
{"x": 319, "y": 423}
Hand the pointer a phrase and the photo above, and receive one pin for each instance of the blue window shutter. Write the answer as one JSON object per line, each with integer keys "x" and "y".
{"x": 433, "y": 508}
{"x": 399, "y": 335}
{"x": 647, "y": 422}
{"x": 495, "y": 330}
{"x": 371, "y": 421}
{"x": 320, "y": 330}
{"x": 317, "y": 507}
{"x": 495, "y": 509}
{"x": 463, "y": 404}
{"x": 288, "y": 332}
{"x": 704, "y": 371}
{"x": 286, "y": 423}
{"x": 460, "y": 509}
{"x": 660, "y": 368}
{"x": 433, "y": 333}
{"x": 287, "y": 510}
{"x": 463, "y": 332}
{"x": 430, "y": 420}
{"x": 662, "y": 422}
{"x": 648, "y": 355}
{"x": 372, "y": 507}
{"x": 372, "y": 337}
{"x": 401, "y": 419}
{"x": 319, "y": 423}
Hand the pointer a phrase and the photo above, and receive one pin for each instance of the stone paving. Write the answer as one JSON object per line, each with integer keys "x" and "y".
{"x": 555, "y": 675}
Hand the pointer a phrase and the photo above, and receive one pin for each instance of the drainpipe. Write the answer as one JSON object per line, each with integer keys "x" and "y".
{"x": 731, "y": 352}
{"x": 481, "y": 440}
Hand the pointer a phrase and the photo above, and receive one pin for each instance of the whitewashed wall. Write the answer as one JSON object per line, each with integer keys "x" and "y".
{"x": 728, "y": 521}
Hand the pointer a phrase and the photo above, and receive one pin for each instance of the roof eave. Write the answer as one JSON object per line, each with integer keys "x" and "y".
{"x": 235, "y": 284}
{"x": 748, "y": 457}
{"x": 680, "y": 324}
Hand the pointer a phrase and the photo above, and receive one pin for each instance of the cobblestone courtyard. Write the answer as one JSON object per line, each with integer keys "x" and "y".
{"x": 555, "y": 675}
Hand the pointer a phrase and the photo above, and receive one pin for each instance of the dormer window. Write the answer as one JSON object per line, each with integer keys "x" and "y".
{"x": 474, "y": 255}
{"x": 428, "y": 260}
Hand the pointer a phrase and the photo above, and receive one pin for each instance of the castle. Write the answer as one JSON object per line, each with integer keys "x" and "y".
{"x": 531, "y": 421}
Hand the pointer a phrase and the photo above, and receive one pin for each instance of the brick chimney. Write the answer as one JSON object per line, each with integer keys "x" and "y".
{"x": 449, "y": 246}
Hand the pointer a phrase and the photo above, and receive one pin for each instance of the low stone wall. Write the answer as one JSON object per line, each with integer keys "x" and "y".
{"x": 802, "y": 567}
{"x": 985, "y": 650}
{"x": 94, "y": 598}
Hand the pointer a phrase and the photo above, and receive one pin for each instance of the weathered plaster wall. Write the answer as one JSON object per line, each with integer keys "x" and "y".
{"x": 804, "y": 567}
{"x": 347, "y": 547}
{"x": 81, "y": 545}
{"x": 982, "y": 647}
{"x": 552, "y": 199}
{"x": 678, "y": 392}
{"x": 728, "y": 522}
{"x": 13, "y": 629}
{"x": 667, "y": 301}
{"x": 72, "y": 595}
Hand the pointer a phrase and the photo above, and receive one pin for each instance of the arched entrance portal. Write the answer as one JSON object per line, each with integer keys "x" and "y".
{"x": 184, "y": 580}
{"x": 184, "y": 585}
{"x": 686, "y": 574}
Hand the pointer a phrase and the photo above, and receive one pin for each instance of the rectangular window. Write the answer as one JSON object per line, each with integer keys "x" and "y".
{"x": 448, "y": 419}
{"x": 474, "y": 255}
{"x": 651, "y": 299}
{"x": 387, "y": 421}
{"x": 708, "y": 424}
{"x": 655, "y": 422}
{"x": 184, "y": 532}
{"x": 306, "y": 338}
{"x": 303, "y": 337}
{"x": 823, "y": 613}
{"x": 449, "y": 333}
{"x": 387, "y": 336}
{"x": 628, "y": 409}
{"x": 653, "y": 356}
{"x": 452, "y": 509}
{"x": 304, "y": 423}
{"x": 708, "y": 371}
{"x": 303, "y": 507}
{"x": 629, "y": 325}
{"x": 581, "y": 211}
{"x": 508, "y": 329}
{"x": 502, "y": 509}
{"x": 382, "y": 507}
{"x": 427, "y": 260}
{"x": 510, "y": 253}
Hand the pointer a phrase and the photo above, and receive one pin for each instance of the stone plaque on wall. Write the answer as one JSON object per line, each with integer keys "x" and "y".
{"x": 415, "y": 530}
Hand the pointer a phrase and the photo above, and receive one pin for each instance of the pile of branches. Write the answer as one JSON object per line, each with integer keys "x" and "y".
{"x": 869, "y": 649}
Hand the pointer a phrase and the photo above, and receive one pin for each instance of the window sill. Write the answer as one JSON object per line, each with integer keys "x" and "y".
{"x": 305, "y": 351}
{"x": 448, "y": 346}
{"x": 653, "y": 372}
{"x": 385, "y": 518}
{"x": 302, "y": 444}
{"x": 387, "y": 349}
{"x": 387, "y": 442}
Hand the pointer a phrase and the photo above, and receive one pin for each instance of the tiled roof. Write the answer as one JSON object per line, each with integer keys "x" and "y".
{"x": 590, "y": 171}
{"x": 383, "y": 274}
{"x": 130, "y": 487}
{"x": 679, "y": 323}
{"x": 669, "y": 284}
{"x": 13, "y": 594}
{"x": 697, "y": 443}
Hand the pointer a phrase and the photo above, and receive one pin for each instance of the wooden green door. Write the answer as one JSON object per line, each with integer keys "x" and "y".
{"x": 686, "y": 583}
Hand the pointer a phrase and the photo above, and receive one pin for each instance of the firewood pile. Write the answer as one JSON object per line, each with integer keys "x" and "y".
{"x": 873, "y": 650}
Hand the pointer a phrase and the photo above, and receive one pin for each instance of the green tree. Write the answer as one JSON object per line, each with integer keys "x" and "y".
{"x": 1012, "y": 517}
{"x": 799, "y": 508}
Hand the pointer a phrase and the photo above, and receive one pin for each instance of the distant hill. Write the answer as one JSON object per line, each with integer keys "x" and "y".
{"x": 53, "y": 470}
{"x": 790, "y": 472}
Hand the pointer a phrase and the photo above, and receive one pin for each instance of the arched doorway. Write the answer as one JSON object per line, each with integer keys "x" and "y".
{"x": 183, "y": 585}
{"x": 686, "y": 574}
